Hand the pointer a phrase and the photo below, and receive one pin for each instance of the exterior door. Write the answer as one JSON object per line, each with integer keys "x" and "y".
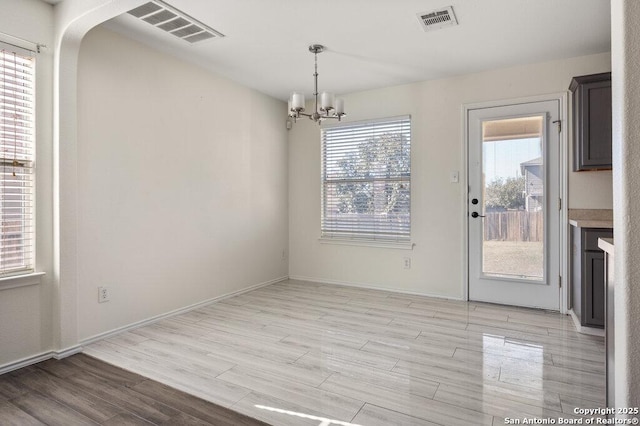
{"x": 513, "y": 204}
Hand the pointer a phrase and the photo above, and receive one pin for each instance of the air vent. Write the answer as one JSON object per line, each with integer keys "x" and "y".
{"x": 145, "y": 9}
{"x": 174, "y": 22}
{"x": 436, "y": 19}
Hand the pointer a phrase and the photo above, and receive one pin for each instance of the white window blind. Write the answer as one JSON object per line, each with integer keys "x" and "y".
{"x": 17, "y": 85}
{"x": 366, "y": 178}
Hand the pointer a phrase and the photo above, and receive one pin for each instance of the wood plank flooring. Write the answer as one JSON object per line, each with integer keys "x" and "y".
{"x": 300, "y": 353}
{"x": 80, "y": 390}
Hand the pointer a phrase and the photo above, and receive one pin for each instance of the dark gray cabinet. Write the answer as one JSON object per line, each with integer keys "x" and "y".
{"x": 588, "y": 275}
{"x": 591, "y": 122}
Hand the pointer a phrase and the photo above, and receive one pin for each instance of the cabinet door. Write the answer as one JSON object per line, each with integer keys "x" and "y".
{"x": 593, "y": 295}
{"x": 592, "y": 115}
{"x": 576, "y": 272}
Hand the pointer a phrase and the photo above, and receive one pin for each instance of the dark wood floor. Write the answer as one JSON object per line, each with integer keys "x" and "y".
{"x": 80, "y": 390}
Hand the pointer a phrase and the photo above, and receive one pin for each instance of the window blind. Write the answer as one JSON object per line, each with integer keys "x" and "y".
{"x": 17, "y": 85}
{"x": 366, "y": 180}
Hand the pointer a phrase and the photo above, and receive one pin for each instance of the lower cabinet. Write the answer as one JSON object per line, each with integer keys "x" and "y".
{"x": 588, "y": 275}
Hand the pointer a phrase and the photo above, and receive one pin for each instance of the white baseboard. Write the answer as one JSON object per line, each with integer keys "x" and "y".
{"x": 24, "y": 362}
{"x": 137, "y": 324}
{"x": 585, "y": 330}
{"x": 76, "y": 349}
{"x": 370, "y": 287}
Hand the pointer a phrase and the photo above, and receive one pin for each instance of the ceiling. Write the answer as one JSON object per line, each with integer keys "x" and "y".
{"x": 375, "y": 43}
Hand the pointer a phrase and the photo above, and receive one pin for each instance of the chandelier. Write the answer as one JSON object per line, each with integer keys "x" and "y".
{"x": 327, "y": 107}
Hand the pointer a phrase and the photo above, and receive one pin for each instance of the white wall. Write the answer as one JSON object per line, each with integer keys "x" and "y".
{"x": 437, "y": 206}
{"x": 182, "y": 184}
{"x": 625, "y": 42}
{"x": 25, "y": 313}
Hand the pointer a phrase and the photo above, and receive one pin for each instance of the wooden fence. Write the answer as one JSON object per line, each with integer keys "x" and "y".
{"x": 516, "y": 225}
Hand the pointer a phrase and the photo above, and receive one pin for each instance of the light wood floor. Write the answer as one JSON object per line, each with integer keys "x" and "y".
{"x": 298, "y": 353}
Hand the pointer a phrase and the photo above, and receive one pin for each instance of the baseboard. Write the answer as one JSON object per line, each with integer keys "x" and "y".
{"x": 370, "y": 287}
{"x": 24, "y": 362}
{"x": 147, "y": 321}
{"x": 76, "y": 349}
{"x": 585, "y": 330}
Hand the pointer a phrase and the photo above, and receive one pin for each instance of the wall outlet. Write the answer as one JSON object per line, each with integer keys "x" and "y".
{"x": 406, "y": 262}
{"x": 103, "y": 294}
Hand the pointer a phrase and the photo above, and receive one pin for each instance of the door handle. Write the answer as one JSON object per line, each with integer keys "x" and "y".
{"x": 475, "y": 214}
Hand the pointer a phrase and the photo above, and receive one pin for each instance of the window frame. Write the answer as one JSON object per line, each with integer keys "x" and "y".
{"x": 365, "y": 235}
{"x": 24, "y": 274}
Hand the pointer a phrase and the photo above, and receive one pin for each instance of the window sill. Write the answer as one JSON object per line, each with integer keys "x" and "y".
{"x": 25, "y": 280}
{"x": 370, "y": 243}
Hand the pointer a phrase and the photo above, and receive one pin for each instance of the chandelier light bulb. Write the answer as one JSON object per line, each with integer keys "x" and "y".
{"x": 326, "y": 101}
{"x": 297, "y": 101}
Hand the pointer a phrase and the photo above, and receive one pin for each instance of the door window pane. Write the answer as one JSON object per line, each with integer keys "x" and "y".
{"x": 513, "y": 195}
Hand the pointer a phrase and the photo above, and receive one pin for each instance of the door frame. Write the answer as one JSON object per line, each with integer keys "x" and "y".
{"x": 564, "y": 250}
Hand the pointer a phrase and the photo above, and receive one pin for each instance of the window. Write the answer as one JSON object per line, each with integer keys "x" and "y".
{"x": 17, "y": 140}
{"x": 366, "y": 178}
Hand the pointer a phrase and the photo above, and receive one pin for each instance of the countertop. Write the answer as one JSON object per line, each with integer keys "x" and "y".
{"x": 586, "y": 223}
{"x": 606, "y": 244}
{"x": 591, "y": 218}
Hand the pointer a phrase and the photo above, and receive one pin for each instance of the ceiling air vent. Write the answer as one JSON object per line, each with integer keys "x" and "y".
{"x": 174, "y": 21}
{"x": 436, "y": 19}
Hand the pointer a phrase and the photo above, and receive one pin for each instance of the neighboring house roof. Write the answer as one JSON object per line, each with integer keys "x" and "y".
{"x": 530, "y": 163}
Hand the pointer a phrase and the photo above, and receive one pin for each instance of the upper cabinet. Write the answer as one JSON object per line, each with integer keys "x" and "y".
{"x": 591, "y": 122}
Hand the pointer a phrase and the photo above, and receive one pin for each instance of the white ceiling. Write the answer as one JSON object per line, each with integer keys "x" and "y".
{"x": 376, "y": 43}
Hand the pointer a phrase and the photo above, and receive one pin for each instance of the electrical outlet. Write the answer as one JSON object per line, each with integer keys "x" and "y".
{"x": 406, "y": 262}
{"x": 103, "y": 294}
